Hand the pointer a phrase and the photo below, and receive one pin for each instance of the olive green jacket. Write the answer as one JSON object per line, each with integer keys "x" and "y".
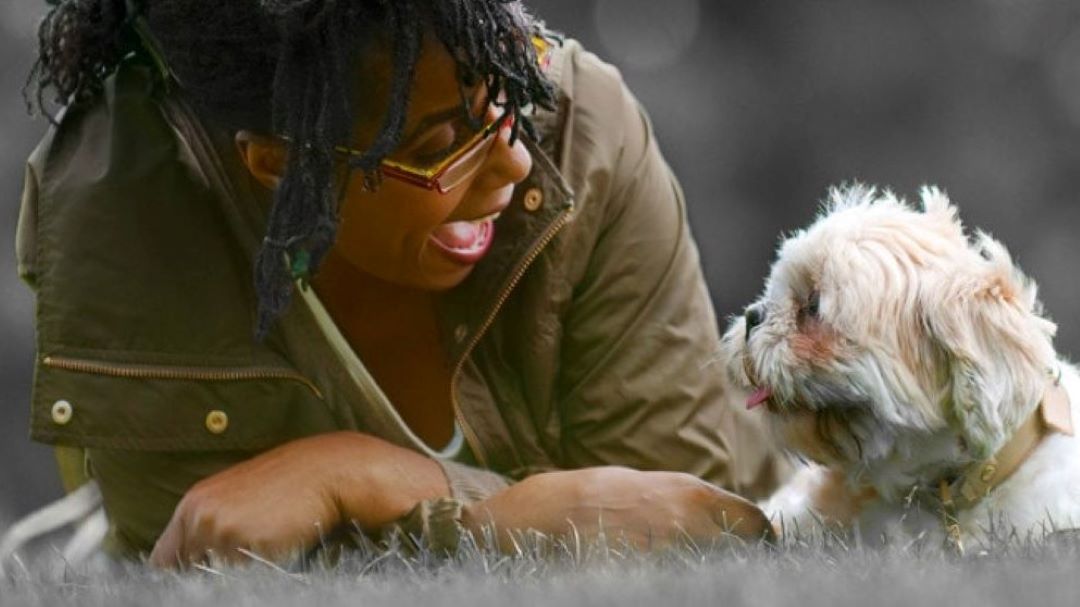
{"x": 581, "y": 339}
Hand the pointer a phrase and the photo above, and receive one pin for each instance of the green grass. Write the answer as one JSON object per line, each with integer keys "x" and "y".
{"x": 821, "y": 571}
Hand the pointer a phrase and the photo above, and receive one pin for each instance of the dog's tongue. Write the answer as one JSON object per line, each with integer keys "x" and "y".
{"x": 756, "y": 399}
{"x": 458, "y": 234}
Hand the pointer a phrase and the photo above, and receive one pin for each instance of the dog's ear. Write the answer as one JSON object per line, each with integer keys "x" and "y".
{"x": 984, "y": 316}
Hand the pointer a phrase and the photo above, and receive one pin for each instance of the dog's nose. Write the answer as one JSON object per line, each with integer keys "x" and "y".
{"x": 755, "y": 315}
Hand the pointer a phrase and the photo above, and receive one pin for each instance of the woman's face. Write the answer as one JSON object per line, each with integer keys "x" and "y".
{"x": 415, "y": 237}
{"x": 402, "y": 233}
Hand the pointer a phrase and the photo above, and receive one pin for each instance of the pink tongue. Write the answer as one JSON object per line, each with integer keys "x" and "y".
{"x": 757, "y": 398}
{"x": 458, "y": 234}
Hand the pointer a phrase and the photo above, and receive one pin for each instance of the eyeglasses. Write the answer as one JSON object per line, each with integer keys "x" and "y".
{"x": 454, "y": 166}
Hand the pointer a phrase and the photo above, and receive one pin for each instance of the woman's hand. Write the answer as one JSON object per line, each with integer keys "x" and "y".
{"x": 283, "y": 500}
{"x": 647, "y": 509}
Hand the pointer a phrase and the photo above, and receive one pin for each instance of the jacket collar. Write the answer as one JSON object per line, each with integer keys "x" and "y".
{"x": 540, "y": 206}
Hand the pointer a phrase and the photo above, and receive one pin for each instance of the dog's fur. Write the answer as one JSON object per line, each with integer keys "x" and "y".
{"x": 897, "y": 352}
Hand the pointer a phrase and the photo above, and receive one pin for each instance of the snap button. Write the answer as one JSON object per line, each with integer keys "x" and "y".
{"x": 217, "y": 421}
{"x": 534, "y": 198}
{"x": 460, "y": 332}
{"x": 62, "y": 412}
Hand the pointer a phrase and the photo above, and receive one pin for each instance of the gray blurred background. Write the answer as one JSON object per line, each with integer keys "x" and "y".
{"x": 759, "y": 105}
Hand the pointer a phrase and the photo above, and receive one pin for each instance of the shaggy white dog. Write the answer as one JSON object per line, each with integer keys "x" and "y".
{"x": 913, "y": 370}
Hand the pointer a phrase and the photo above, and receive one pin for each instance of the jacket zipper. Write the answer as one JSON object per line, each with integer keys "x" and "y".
{"x": 470, "y": 436}
{"x": 79, "y": 365}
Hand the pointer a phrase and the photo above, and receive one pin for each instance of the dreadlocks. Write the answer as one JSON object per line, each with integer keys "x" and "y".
{"x": 286, "y": 67}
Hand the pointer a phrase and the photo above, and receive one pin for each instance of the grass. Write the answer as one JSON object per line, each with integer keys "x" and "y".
{"x": 823, "y": 570}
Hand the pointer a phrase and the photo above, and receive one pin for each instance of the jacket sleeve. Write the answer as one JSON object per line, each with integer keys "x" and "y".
{"x": 471, "y": 484}
{"x": 636, "y": 385}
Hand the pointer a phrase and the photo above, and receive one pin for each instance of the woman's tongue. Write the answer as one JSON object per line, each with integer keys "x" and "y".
{"x": 458, "y": 234}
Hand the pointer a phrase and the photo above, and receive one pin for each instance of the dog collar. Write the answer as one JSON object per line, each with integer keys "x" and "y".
{"x": 1053, "y": 415}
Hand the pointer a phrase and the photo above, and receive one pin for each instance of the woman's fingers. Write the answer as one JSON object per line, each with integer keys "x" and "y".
{"x": 738, "y": 516}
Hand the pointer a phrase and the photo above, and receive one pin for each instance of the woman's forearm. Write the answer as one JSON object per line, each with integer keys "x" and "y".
{"x": 280, "y": 501}
{"x": 377, "y": 482}
{"x": 647, "y": 509}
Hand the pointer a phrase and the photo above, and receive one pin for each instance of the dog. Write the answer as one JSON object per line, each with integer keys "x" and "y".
{"x": 913, "y": 370}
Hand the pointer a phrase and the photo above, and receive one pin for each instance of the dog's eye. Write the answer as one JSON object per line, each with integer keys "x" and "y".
{"x": 813, "y": 304}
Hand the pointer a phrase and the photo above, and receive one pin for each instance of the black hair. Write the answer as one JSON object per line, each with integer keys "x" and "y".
{"x": 284, "y": 67}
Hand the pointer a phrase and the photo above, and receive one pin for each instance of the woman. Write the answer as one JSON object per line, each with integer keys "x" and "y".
{"x": 471, "y": 267}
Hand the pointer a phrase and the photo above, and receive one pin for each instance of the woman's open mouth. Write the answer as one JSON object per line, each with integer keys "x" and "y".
{"x": 465, "y": 242}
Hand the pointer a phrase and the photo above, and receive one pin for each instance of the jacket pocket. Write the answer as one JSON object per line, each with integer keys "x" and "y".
{"x": 111, "y": 405}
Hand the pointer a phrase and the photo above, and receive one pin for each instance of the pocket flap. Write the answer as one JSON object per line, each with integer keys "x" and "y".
{"x": 106, "y": 405}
